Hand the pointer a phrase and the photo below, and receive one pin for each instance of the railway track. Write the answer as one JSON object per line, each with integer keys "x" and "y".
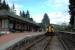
{"x": 45, "y": 43}
{"x": 33, "y": 44}
{"x": 48, "y": 43}
{"x": 41, "y": 45}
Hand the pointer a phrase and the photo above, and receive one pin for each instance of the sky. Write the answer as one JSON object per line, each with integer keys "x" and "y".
{"x": 57, "y": 10}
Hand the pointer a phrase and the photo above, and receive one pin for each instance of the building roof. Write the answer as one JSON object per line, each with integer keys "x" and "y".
{"x": 8, "y": 13}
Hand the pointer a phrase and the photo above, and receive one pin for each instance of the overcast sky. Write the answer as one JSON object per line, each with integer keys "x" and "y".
{"x": 57, "y": 10}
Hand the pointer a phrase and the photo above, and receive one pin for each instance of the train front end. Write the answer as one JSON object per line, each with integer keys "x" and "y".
{"x": 50, "y": 30}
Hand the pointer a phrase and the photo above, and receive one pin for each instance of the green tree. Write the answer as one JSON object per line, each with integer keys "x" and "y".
{"x": 23, "y": 14}
{"x": 3, "y": 5}
{"x": 27, "y": 14}
{"x": 71, "y": 14}
{"x": 0, "y": 1}
{"x": 20, "y": 13}
{"x": 7, "y": 7}
{"x": 0, "y": 4}
{"x": 45, "y": 21}
{"x": 13, "y": 9}
{"x": 72, "y": 11}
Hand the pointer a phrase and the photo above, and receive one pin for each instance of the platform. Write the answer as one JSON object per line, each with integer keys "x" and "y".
{"x": 10, "y": 39}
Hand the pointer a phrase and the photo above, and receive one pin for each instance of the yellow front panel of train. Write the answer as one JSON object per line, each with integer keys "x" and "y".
{"x": 49, "y": 29}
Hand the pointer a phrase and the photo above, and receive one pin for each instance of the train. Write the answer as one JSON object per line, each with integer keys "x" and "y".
{"x": 50, "y": 30}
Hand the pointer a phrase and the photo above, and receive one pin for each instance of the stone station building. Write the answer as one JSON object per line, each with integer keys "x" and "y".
{"x": 10, "y": 22}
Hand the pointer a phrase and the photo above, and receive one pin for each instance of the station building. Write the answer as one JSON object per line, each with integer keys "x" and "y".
{"x": 10, "y": 22}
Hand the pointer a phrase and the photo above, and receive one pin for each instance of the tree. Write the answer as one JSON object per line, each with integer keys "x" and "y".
{"x": 72, "y": 20}
{"x": 27, "y": 14}
{"x": 72, "y": 2}
{"x": 3, "y": 5}
{"x": 23, "y": 14}
{"x": 72, "y": 11}
{"x": 0, "y": 1}
{"x": 7, "y": 7}
{"x": 45, "y": 20}
{"x": 20, "y": 13}
{"x": 0, "y": 4}
{"x": 13, "y": 8}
